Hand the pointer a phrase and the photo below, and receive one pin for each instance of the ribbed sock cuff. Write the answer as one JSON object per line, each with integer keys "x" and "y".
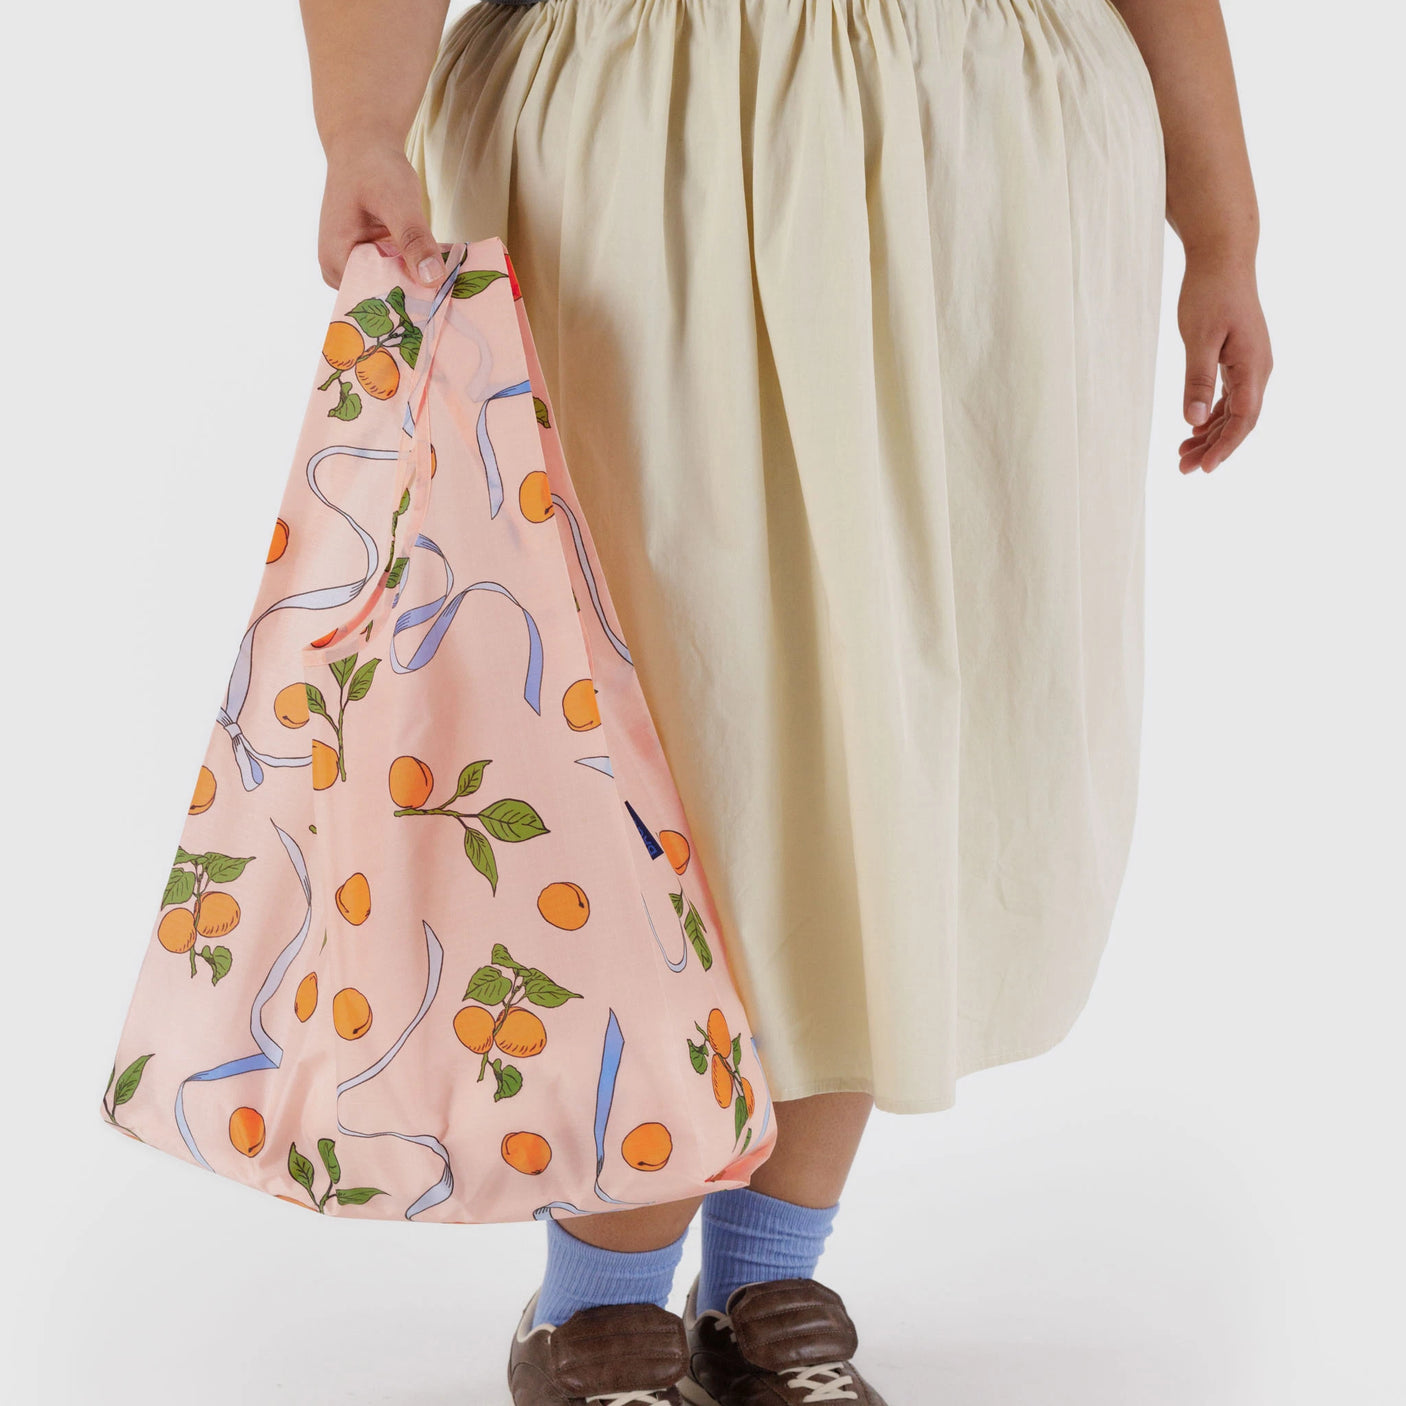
{"x": 580, "y": 1276}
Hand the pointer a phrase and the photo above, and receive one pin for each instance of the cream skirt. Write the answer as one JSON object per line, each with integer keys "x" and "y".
{"x": 849, "y": 310}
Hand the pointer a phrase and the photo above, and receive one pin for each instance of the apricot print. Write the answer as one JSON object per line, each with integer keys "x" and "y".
{"x": 534, "y": 496}
{"x": 305, "y": 998}
{"x": 386, "y": 321}
{"x": 579, "y": 705}
{"x": 203, "y": 796}
{"x": 351, "y": 1013}
{"x": 411, "y": 782}
{"x": 509, "y": 820}
{"x": 353, "y": 684}
{"x": 676, "y": 849}
{"x": 474, "y": 1027}
{"x": 518, "y": 1032}
{"x": 354, "y": 899}
{"x": 290, "y": 705}
{"x": 722, "y": 1081}
{"x": 648, "y": 1147}
{"x": 213, "y": 913}
{"x": 719, "y": 1036}
{"x": 748, "y": 1096}
{"x": 528, "y": 1153}
{"x": 278, "y": 543}
{"x": 303, "y": 1172}
{"x": 564, "y": 906}
{"x": 719, "y": 1052}
{"x": 246, "y": 1131}
{"x": 324, "y": 765}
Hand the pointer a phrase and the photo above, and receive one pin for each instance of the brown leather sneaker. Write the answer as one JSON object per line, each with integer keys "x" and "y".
{"x": 616, "y": 1355}
{"x": 787, "y": 1341}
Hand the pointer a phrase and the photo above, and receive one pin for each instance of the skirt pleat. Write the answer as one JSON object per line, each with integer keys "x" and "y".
{"x": 849, "y": 312}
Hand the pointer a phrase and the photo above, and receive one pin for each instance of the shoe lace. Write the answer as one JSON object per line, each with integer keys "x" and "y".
{"x": 629, "y": 1398}
{"x": 833, "y": 1386}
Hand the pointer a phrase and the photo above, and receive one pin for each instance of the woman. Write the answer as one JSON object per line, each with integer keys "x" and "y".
{"x": 849, "y": 312}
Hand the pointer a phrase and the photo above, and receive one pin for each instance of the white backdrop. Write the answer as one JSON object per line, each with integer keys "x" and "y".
{"x": 1196, "y": 1199}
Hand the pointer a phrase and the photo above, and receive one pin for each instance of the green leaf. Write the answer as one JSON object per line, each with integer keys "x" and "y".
{"x": 488, "y": 985}
{"x": 503, "y": 958}
{"x": 225, "y": 868}
{"x": 299, "y": 1167}
{"x": 745, "y": 1142}
{"x": 509, "y": 1080}
{"x": 179, "y": 887}
{"x": 540, "y": 406}
{"x": 737, "y": 1051}
{"x": 316, "y": 702}
{"x": 470, "y": 779}
{"x": 481, "y": 855}
{"x": 677, "y": 900}
{"x": 410, "y": 343}
{"x": 693, "y": 926}
{"x": 185, "y": 857}
{"x": 127, "y": 1084}
{"x": 474, "y": 281}
{"x": 327, "y": 1150}
{"x": 342, "y": 668}
{"x": 739, "y": 1115}
{"x": 348, "y": 405}
{"x": 220, "y": 962}
{"x": 404, "y": 503}
{"x": 396, "y": 298}
{"x": 356, "y": 1195}
{"x": 511, "y": 820}
{"x": 541, "y": 990}
{"x": 698, "y": 1057}
{"x": 396, "y": 572}
{"x": 361, "y": 681}
{"x": 372, "y": 316}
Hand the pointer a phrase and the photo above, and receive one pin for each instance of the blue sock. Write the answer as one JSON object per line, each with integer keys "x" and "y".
{"x": 583, "y": 1276}
{"x": 749, "y": 1238}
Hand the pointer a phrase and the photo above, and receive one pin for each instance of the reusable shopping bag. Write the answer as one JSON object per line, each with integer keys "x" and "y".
{"x": 434, "y": 943}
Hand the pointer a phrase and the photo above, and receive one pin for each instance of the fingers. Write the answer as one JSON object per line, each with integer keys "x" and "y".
{"x": 419, "y": 251}
{"x": 374, "y": 197}
{"x": 1246, "y": 369}
{"x": 1202, "y": 358}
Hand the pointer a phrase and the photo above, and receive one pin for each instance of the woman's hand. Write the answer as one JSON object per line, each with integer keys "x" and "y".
{"x": 373, "y": 195}
{"x": 1223, "y": 326}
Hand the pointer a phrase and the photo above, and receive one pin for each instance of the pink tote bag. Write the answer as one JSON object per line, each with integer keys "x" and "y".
{"x": 434, "y": 943}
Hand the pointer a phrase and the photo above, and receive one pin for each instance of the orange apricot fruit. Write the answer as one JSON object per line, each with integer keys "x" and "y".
{"x": 719, "y": 1036}
{"x": 564, "y": 905}
{"x": 354, "y": 898}
{"x": 434, "y": 462}
{"x": 411, "y": 782}
{"x": 722, "y": 1081}
{"x": 528, "y": 1153}
{"x": 474, "y": 1027}
{"x": 521, "y": 1034}
{"x": 216, "y": 914}
{"x": 203, "y": 797}
{"x": 305, "y": 998}
{"x": 676, "y": 849}
{"x": 246, "y": 1131}
{"x": 378, "y": 374}
{"x": 647, "y": 1147}
{"x": 324, "y": 765}
{"x": 278, "y": 543}
{"x": 290, "y": 704}
{"x": 351, "y": 1013}
{"x": 748, "y": 1096}
{"x": 534, "y": 497}
{"x": 176, "y": 930}
{"x": 579, "y": 705}
{"x": 342, "y": 345}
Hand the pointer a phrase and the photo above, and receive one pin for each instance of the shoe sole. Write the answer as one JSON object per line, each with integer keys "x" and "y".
{"x": 690, "y": 1391}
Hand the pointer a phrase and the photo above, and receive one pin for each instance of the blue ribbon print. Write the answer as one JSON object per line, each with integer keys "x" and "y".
{"x": 766, "y": 1112}
{"x": 442, "y": 611}
{"x": 682, "y": 961}
{"x": 585, "y": 563}
{"x": 269, "y": 1054}
{"x": 600, "y": 764}
{"x": 485, "y": 445}
{"x": 611, "y": 1055}
{"x": 444, "y": 1187}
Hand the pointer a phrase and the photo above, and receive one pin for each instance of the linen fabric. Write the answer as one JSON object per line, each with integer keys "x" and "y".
{"x": 850, "y": 311}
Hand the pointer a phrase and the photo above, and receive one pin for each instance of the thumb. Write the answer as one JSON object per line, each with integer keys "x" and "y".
{"x": 419, "y": 251}
{"x": 1202, "y": 362}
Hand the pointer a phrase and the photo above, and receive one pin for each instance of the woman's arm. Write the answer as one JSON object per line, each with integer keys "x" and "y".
{"x": 1211, "y": 205}
{"x": 372, "y": 191}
